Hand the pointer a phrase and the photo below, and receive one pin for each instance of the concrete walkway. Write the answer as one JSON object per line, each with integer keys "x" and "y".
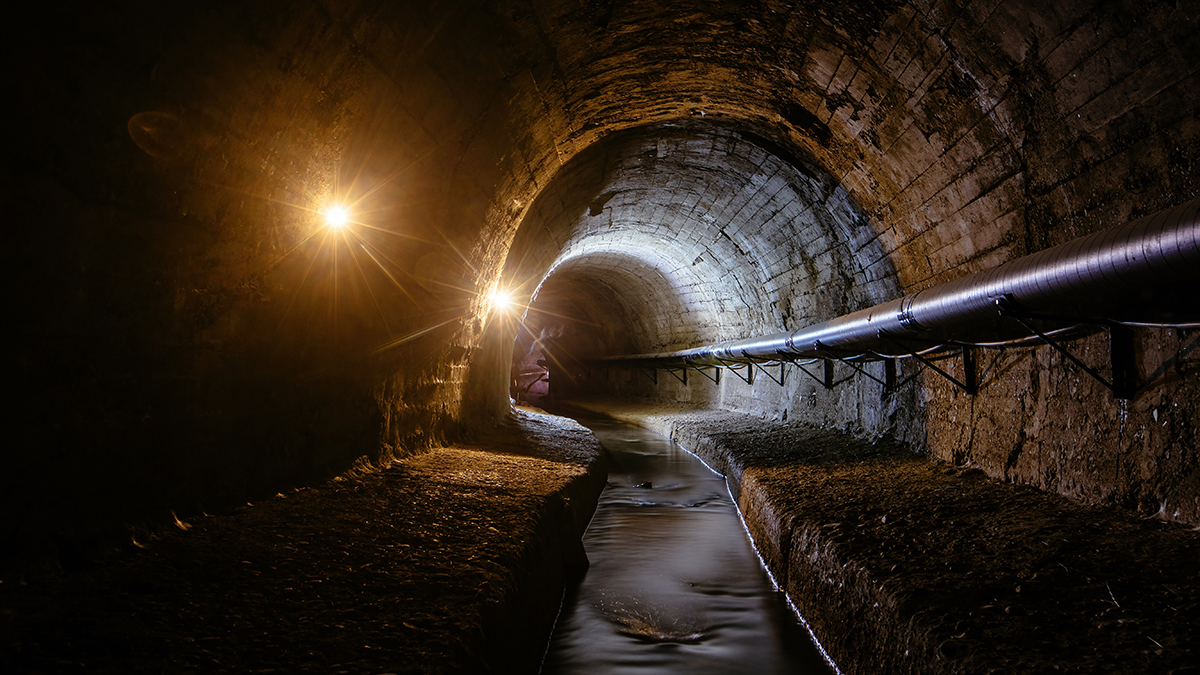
{"x": 902, "y": 565}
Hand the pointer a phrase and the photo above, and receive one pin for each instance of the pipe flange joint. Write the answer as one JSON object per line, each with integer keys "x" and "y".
{"x": 905, "y": 316}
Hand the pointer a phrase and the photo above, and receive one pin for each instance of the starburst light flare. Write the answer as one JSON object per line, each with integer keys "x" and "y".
{"x": 336, "y": 217}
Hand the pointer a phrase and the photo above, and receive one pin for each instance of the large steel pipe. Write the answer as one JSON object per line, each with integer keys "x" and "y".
{"x": 1143, "y": 271}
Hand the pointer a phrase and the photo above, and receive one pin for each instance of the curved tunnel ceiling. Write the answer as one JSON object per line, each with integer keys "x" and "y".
{"x": 705, "y": 231}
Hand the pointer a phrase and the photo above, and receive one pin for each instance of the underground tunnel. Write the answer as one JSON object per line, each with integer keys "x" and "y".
{"x": 307, "y": 297}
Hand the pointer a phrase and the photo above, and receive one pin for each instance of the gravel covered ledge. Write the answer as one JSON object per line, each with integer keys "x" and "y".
{"x": 902, "y": 565}
{"x": 449, "y": 562}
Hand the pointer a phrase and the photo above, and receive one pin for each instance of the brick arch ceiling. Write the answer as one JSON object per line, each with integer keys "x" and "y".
{"x": 706, "y": 231}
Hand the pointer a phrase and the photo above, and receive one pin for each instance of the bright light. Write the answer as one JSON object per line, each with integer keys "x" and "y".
{"x": 500, "y": 301}
{"x": 336, "y": 217}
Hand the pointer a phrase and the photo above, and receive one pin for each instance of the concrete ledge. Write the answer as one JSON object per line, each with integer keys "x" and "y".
{"x": 902, "y": 565}
{"x": 453, "y": 561}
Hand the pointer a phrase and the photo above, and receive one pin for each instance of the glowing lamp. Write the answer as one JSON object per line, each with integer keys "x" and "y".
{"x": 336, "y": 217}
{"x": 501, "y": 301}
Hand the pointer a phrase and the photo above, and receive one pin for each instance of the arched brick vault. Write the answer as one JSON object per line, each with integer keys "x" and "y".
{"x": 705, "y": 234}
{"x": 170, "y": 290}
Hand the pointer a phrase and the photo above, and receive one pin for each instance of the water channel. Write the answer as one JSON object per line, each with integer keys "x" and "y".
{"x": 674, "y": 584}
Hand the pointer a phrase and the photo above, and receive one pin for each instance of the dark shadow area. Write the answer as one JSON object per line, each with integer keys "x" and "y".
{"x": 451, "y": 562}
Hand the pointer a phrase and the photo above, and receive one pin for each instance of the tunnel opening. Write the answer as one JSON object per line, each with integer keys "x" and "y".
{"x": 596, "y": 304}
{"x": 692, "y": 232}
{"x": 566, "y": 320}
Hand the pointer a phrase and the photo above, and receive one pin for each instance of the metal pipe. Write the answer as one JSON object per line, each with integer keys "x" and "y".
{"x": 1143, "y": 271}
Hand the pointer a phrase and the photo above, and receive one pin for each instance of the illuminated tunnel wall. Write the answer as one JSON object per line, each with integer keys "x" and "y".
{"x": 701, "y": 234}
{"x": 187, "y": 335}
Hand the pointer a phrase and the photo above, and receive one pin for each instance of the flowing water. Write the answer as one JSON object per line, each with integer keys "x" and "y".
{"x": 674, "y": 584}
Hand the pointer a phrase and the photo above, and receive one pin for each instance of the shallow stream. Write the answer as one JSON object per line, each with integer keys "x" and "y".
{"x": 674, "y": 584}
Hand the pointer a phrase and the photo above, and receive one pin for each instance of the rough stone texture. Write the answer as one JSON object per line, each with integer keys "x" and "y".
{"x": 1038, "y": 419}
{"x": 451, "y": 562}
{"x": 903, "y": 566}
{"x": 186, "y": 335}
{"x": 967, "y": 136}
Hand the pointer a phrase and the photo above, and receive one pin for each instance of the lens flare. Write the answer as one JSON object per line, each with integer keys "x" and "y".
{"x": 500, "y": 300}
{"x": 336, "y": 217}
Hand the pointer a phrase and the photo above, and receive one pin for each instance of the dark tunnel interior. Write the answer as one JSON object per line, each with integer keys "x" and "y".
{"x": 292, "y": 253}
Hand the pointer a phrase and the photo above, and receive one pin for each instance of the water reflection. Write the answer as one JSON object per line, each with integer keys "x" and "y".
{"x": 674, "y": 585}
